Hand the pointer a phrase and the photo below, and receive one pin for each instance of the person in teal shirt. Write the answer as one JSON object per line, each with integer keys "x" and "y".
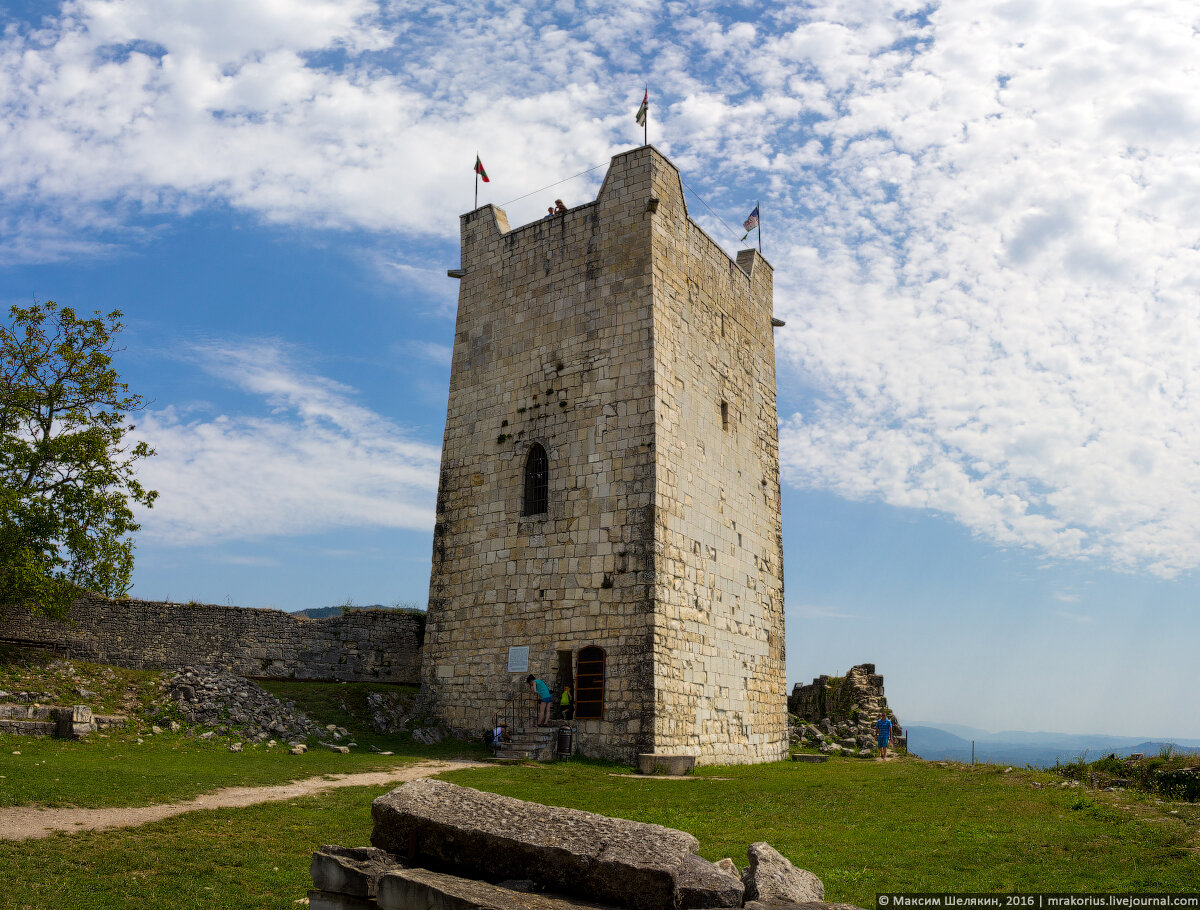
{"x": 883, "y": 727}
{"x": 543, "y": 694}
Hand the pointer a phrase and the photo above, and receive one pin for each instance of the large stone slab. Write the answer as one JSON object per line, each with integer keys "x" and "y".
{"x": 804, "y": 905}
{"x": 482, "y": 835}
{"x": 350, "y": 870}
{"x": 771, "y": 877}
{"x": 426, "y": 890}
{"x": 328, "y": 900}
{"x": 704, "y": 884}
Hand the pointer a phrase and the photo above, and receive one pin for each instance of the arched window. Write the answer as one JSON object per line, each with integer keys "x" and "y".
{"x": 537, "y": 482}
{"x": 589, "y": 684}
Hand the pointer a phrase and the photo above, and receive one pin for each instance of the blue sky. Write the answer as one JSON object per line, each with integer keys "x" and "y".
{"x": 982, "y": 217}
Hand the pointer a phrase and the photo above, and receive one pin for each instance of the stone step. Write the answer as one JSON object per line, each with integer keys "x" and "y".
{"x": 28, "y": 727}
{"x": 27, "y": 712}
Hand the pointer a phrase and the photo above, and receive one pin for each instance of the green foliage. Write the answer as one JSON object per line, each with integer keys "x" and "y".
{"x": 66, "y": 471}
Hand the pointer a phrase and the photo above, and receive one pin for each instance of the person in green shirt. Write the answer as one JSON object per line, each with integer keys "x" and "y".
{"x": 568, "y": 709}
{"x": 544, "y": 700}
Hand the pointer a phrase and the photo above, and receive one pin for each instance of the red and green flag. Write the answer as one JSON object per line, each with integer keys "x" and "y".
{"x": 480, "y": 171}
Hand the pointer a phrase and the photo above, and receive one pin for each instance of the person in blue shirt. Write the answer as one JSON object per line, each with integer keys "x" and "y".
{"x": 543, "y": 694}
{"x": 883, "y": 727}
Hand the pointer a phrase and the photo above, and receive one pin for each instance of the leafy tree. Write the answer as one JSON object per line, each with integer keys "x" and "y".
{"x": 67, "y": 478}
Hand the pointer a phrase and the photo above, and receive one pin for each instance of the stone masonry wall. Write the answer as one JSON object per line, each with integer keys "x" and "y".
{"x": 552, "y": 345}
{"x": 364, "y": 645}
{"x": 611, "y": 335}
{"x": 719, "y": 579}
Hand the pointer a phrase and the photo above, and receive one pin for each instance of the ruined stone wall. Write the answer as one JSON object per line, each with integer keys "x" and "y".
{"x": 552, "y": 346}
{"x": 859, "y": 693}
{"x": 719, "y": 582}
{"x": 611, "y": 335}
{"x": 364, "y": 645}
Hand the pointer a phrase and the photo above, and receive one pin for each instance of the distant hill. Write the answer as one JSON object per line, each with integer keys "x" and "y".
{"x": 326, "y": 612}
{"x": 1017, "y": 747}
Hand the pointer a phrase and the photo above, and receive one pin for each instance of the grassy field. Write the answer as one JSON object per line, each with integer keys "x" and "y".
{"x": 861, "y": 826}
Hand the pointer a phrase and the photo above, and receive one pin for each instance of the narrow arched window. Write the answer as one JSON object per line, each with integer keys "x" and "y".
{"x": 537, "y": 482}
{"x": 589, "y": 684}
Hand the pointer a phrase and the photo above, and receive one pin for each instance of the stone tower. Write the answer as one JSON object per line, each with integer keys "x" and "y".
{"x": 608, "y": 506}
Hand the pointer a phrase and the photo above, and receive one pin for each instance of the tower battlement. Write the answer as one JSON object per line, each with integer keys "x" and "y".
{"x": 609, "y": 489}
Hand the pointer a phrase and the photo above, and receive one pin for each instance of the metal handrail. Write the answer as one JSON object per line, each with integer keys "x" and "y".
{"x": 511, "y": 713}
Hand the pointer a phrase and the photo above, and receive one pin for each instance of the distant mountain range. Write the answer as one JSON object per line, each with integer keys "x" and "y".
{"x": 931, "y": 741}
{"x": 325, "y": 612}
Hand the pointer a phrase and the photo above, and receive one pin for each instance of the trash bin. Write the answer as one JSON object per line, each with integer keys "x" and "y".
{"x": 566, "y": 741}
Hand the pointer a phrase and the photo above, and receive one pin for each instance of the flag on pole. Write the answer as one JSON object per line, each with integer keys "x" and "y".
{"x": 641, "y": 111}
{"x": 480, "y": 171}
{"x": 750, "y": 223}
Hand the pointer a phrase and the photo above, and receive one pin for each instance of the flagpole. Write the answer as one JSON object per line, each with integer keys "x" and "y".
{"x": 646, "y": 124}
{"x": 758, "y": 208}
{"x": 476, "y": 184}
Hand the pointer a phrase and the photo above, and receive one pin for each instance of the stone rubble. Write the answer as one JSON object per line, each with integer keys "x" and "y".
{"x": 437, "y": 845}
{"x": 210, "y": 697}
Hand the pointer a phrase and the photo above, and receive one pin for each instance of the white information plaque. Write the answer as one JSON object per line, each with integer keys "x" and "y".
{"x": 518, "y": 660}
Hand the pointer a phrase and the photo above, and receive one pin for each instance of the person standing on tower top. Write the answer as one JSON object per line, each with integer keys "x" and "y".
{"x": 543, "y": 694}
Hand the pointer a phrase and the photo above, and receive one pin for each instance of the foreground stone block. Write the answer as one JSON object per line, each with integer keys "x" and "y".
{"x": 444, "y": 827}
{"x": 351, "y": 870}
{"x": 805, "y": 905}
{"x": 420, "y": 889}
{"x": 771, "y": 877}
{"x": 704, "y": 884}
{"x": 327, "y": 900}
{"x": 672, "y": 765}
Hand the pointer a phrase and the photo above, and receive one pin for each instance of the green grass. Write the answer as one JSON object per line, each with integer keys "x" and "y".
{"x": 866, "y": 827}
{"x": 117, "y": 771}
{"x": 863, "y": 827}
{"x": 249, "y": 858}
{"x": 115, "y": 690}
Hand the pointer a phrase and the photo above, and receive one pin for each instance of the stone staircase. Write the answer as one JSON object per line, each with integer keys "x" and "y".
{"x": 72, "y": 722}
{"x": 535, "y": 744}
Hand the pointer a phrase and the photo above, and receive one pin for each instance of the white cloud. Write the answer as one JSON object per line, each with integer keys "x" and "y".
{"x": 1079, "y": 618}
{"x": 982, "y": 217}
{"x": 316, "y": 461}
{"x": 813, "y": 611}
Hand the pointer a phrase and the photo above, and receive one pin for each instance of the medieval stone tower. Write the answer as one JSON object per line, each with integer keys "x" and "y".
{"x": 608, "y": 507}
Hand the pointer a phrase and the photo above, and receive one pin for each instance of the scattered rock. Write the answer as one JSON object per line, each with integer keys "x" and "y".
{"x": 351, "y": 870}
{"x": 211, "y": 697}
{"x": 729, "y": 867}
{"x": 155, "y": 729}
{"x": 423, "y": 888}
{"x": 298, "y": 749}
{"x": 236, "y": 747}
{"x": 702, "y": 884}
{"x": 208, "y": 735}
{"x": 524, "y": 885}
{"x": 344, "y": 750}
{"x": 631, "y": 864}
{"x": 771, "y": 877}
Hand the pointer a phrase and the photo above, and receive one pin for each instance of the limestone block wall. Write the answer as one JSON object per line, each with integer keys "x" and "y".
{"x": 364, "y": 645}
{"x": 719, "y": 576}
{"x": 552, "y": 346}
{"x": 628, "y": 344}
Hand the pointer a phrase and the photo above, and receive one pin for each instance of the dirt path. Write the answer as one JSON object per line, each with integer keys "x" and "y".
{"x": 22, "y": 822}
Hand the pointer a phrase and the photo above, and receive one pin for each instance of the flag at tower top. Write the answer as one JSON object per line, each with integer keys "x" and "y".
{"x": 641, "y": 111}
{"x": 480, "y": 171}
